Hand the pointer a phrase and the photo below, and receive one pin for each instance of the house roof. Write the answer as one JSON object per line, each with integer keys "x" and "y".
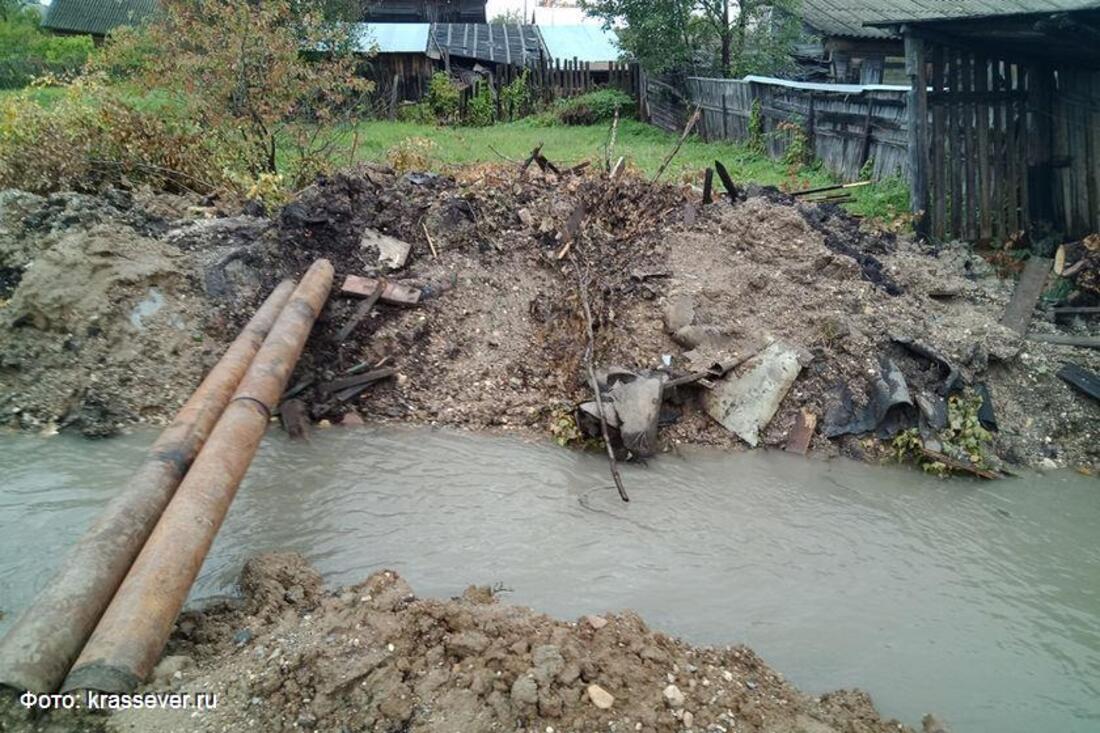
{"x": 851, "y": 18}
{"x": 393, "y": 37}
{"x": 583, "y": 42}
{"x": 498, "y": 43}
{"x": 96, "y": 17}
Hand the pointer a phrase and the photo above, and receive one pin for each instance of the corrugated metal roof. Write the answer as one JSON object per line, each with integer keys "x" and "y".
{"x": 393, "y": 37}
{"x": 583, "y": 42}
{"x": 498, "y": 43}
{"x": 848, "y": 18}
{"x": 96, "y": 17}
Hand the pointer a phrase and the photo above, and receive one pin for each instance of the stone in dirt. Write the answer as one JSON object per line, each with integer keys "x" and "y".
{"x": 746, "y": 404}
{"x": 600, "y": 697}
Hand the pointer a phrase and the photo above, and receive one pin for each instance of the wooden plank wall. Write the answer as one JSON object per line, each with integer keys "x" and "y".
{"x": 1010, "y": 143}
{"x": 846, "y": 129}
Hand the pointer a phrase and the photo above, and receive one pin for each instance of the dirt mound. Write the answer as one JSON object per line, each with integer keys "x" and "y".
{"x": 497, "y": 339}
{"x": 101, "y": 330}
{"x": 375, "y": 657}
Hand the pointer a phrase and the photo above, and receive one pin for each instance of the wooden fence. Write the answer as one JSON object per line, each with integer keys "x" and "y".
{"x": 845, "y": 125}
{"x": 1000, "y": 144}
{"x": 553, "y": 80}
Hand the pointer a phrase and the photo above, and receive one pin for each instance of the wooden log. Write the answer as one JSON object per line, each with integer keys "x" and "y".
{"x": 1030, "y": 286}
{"x": 959, "y": 466}
{"x": 295, "y": 419}
{"x": 727, "y": 181}
{"x": 708, "y": 186}
{"x": 802, "y": 433}
{"x": 1081, "y": 379}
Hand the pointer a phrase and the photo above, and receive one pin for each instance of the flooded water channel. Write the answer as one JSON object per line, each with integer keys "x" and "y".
{"x": 980, "y": 602}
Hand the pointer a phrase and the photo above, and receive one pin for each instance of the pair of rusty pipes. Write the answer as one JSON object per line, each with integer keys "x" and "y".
{"x": 134, "y": 629}
{"x": 44, "y": 641}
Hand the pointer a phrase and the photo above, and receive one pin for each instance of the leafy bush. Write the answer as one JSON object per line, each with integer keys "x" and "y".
{"x": 26, "y": 52}
{"x": 443, "y": 97}
{"x": 92, "y": 136}
{"x": 516, "y": 96}
{"x": 481, "y": 111}
{"x": 411, "y": 154}
{"x": 593, "y": 107}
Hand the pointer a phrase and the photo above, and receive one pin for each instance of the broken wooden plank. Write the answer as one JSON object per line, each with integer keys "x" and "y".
{"x": 1081, "y": 379}
{"x": 361, "y": 312}
{"x": 708, "y": 186}
{"x": 1028, "y": 290}
{"x": 1073, "y": 311}
{"x": 802, "y": 433}
{"x": 620, "y": 164}
{"x": 393, "y": 293}
{"x": 727, "y": 182}
{"x": 679, "y": 143}
{"x": 572, "y": 229}
{"x": 836, "y": 187}
{"x": 1083, "y": 342}
{"x": 343, "y": 384}
{"x": 295, "y": 419}
{"x": 530, "y": 159}
{"x": 392, "y": 252}
{"x": 959, "y": 466}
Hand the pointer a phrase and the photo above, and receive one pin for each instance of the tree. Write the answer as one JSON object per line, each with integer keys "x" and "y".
{"x": 509, "y": 17}
{"x": 254, "y": 73}
{"x": 736, "y": 36}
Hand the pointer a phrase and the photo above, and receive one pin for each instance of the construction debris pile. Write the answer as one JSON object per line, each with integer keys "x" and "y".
{"x": 292, "y": 656}
{"x": 760, "y": 321}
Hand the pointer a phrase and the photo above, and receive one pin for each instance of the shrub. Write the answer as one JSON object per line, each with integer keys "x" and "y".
{"x": 26, "y": 52}
{"x": 443, "y": 97}
{"x": 91, "y": 136}
{"x": 593, "y": 107}
{"x": 411, "y": 154}
{"x": 481, "y": 111}
{"x": 516, "y": 96}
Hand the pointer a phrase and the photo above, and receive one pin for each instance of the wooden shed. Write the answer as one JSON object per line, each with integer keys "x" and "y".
{"x": 1004, "y": 120}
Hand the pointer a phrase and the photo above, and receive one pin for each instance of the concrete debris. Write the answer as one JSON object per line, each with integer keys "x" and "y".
{"x": 600, "y": 697}
{"x": 392, "y": 252}
{"x": 746, "y": 404}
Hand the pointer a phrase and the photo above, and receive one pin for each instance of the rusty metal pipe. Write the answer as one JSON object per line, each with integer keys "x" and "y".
{"x": 134, "y": 629}
{"x": 39, "y": 648}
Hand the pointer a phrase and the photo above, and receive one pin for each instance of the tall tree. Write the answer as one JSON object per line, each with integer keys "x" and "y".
{"x": 736, "y": 36}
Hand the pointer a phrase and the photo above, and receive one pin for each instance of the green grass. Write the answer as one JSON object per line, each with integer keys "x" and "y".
{"x": 644, "y": 146}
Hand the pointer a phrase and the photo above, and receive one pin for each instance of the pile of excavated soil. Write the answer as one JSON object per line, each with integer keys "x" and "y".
{"x": 498, "y": 338}
{"x": 374, "y": 657}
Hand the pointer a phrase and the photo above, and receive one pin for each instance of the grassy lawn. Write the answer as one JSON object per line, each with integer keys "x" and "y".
{"x": 644, "y": 146}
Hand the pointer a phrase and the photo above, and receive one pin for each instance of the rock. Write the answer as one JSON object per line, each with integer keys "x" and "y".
{"x": 600, "y": 697}
{"x": 932, "y": 724}
{"x": 170, "y": 667}
{"x": 596, "y": 622}
{"x": 525, "y": 218}
{"x": 679, "y": 312}
{"x": 673, "y": 697}
{"x": 688, "y": 719}
{"x": 548, "y": 661}
{"x": 392, "y": 252}
{"x": 352, "y": 419}
{"x": 525, "y": 691}
{"x": 242, "y": 637}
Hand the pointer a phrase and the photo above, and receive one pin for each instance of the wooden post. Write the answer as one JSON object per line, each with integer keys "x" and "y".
{"x": 915, "y": 68}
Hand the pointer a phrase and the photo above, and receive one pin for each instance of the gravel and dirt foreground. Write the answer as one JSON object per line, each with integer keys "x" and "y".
{"x": 290, "y": 656}
{"x": 115, "y": 305}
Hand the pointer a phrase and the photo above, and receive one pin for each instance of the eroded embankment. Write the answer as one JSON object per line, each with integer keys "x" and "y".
{"x": 117, "y": 304}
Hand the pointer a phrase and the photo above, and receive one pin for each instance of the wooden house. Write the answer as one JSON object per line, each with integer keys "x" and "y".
{"x": 1004, "y": 119}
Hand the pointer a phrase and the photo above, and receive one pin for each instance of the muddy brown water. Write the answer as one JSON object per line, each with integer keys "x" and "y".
{"x": 980, "y": 602}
